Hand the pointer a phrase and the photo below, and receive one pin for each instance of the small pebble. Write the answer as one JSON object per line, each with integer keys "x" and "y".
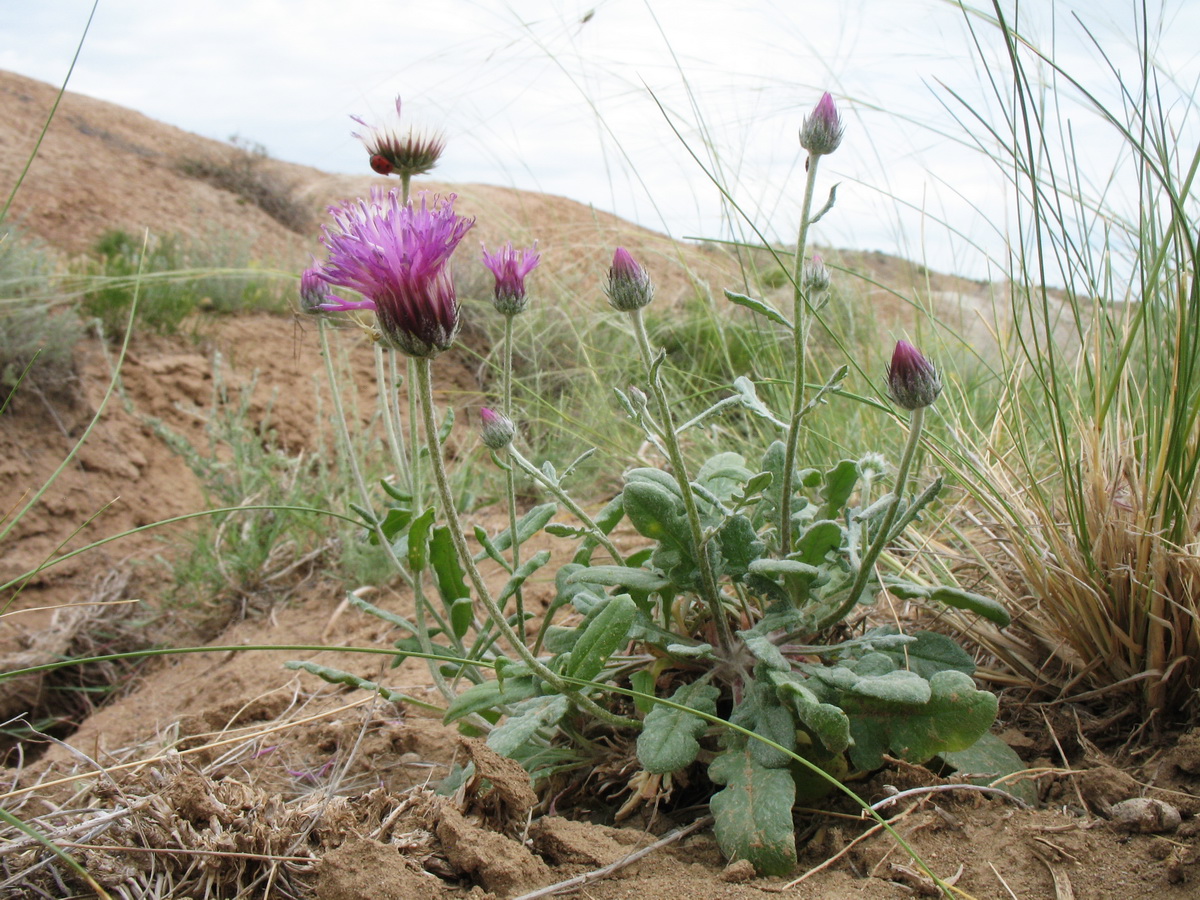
{"x": 1145, "y": 815}
{"x": 738, "y": 872}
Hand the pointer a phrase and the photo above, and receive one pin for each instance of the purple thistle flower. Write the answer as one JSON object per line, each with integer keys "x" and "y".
{"x": 629, "y": 286}
{"x": 497, "y": 429}
{"x": 913, "y": 382}
{"x": 316, "y": 296}
{"x": 510, "y": 268}
{"x": 398, "y": 258}
{"x": 408, "y": 154}
{"x": 822, "y": 131}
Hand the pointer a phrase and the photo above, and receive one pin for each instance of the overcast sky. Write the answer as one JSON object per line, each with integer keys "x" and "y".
{"x": 559, "y": 95}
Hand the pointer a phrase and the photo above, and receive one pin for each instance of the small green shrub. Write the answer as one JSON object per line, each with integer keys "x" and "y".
{"x": 243, "y": 171}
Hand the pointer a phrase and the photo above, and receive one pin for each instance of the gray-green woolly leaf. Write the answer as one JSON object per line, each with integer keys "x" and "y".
{"x": 816, "y": 541}
{"x": 900, "y": 687}
{"x": 753, "y": 813}
{"x": 606, "y": 521}
{"x": 549, "y": 473}
{"x": 489, "y": 548}
{"x": 756, "y": 485}
{"x": 762, "y": 711}
{"x": 576, "y": 463}
{"x": 791, "y": 567}
{"x": 990, "y": 609}
{"x": 825, "y": 722}
{"x": 926, "y": 652}
{"x": 527, "y": 719}
{"x": 558, "y": 529}
{"x": 840, "y": 482}
{"x": 658, "y": 514}
{"x": 522, "y": 574}
{"x": 765, "y": 651}
{"x": 956, "y": 715}
{"x": 620, "y": 576}
{"x": 337, "y": 676}
{"x": 387, "y": 616}
{"x": 723, "y": 474}
{"x": 988, "y": 759}
{"x": 651, "y": 475}
{"x": 607, "y": 632}
{"x": 668, "y": 741}
{"x": 759, "y": 306}
{"x": 489, "y": 695}
{"x": 691, "y": 651}
{"x": 527, "y": 526}
{"x": 749, "y": 398}
{"x": 739, "y": 545}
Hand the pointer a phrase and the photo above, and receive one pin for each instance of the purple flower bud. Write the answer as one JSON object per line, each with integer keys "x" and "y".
{"x": 913, "y": 382}
{"x": 816, "y": 275}
{"x": 408, "y": 154}
{"x": 629, "y": 286}
{"x": 398, "y": 258}
{"x": 510, "y": 268}
{"x": 497, "y": 429}
{"x": 822, "y": 131}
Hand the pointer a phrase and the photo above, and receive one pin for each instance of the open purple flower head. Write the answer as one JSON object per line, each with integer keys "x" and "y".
{"x": 629, "y": 287}
{"x": 510, "y": 268}
{"x": 397, "y": 256}
{"x": 497, "y": 429}
{"x": 822, "y": 131}
{"x": 913, "y": 382}
{"x": 405, "y": 153}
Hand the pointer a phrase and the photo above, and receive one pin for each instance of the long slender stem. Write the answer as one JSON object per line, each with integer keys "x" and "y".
{"x": 425, "y": 389}
{"x": 800, "y": 319}
{"x": 395, "y": 443}
{"x": 708, "y": 584}
{"x": 565, "y": 499}
{"x": 868, "y": 560}
{"x": 510, "y": 477}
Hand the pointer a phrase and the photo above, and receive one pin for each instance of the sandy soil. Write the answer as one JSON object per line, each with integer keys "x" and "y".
{"x": 224, "y": 769}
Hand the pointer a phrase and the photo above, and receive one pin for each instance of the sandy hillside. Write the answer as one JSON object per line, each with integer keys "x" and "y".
{"x": 227, "y": 772}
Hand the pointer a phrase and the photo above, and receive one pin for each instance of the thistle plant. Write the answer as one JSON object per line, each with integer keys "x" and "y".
{"x": 739, "y": 598}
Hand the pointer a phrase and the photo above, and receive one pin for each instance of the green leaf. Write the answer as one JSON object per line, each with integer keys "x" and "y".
{"x": 668, "y": 739}
{"x": 526, "y": 720}
{"x": 762, "y": 712}
{"x": 337, "y": 676}
{"x": 418, "y": 540}
{"x": 488, "y": 696}
{"x": 620, "y": 576}
{"x": 765, "y": 651}
{"x": 822, "y": 537}
{"x": 522, "y": 574}
{"x": 759, "y": 306}
{"x": 658, "y": 514}
{"x": 929, "y": 654}
{"x": 606, "y": 520}
{"x": 899, "y": 686}
{"x": 527, "y": 526}
{"x": 840, "y": 482}
{"x": 489, "y": 548}
{"x": 773, "y": 567}
{"x": 956, "y": 715}
{"x": 825, "y": 722}
{"x": 393, "y": 523}
{"x": 757, "y": 484}
{"x": 987, "y": 760}
{"x": 394, "y": 492}
{"x": 448, "y": 575}
{"x": 739, "y": 545}
{"x": 558, "y": 529}
{"x": 753, "y": 813}
{"x": 990, "y": 609}
{"x": 723, "y": 474}
{"x": 447, "y": 424}
{"x": 602, "y": 637}
{"x": 642, "y": 681}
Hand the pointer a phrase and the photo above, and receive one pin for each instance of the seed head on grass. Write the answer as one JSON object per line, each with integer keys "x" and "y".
{"x": 913, "y": 382}
{"x": 822, "y": 131}
{"x": 510, "y": 268}
{"x": 397, "y": 256}
{"x": 629, "y": 286}
{"x": 405, "y": 154}
{"x": 497, "y": 429}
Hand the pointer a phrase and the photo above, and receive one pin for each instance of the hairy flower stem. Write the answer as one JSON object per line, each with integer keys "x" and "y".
{"x": 708, "y": 584}
{"x": 339, "y": 412}
{"x": 868, "y": 559}
{"x": 425, "y": 388}
{"x": 390, "y": 423}
{"x": 801, "y": 317}
{"x": 510, "y": 477}
{"x": 565, "y": 499}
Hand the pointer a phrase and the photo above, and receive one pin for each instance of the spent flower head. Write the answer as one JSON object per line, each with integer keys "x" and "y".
{"x": 822, "y": 131}
{"x": 404, "y": 153}
{"x": 497, "y": 429}
{"x": 629, "y": 287}
{"x": 816, "y": 275}
{"x": 913, "y": 382}
{"x": 510, "y": 268}
{"x": 397, "y": 256}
